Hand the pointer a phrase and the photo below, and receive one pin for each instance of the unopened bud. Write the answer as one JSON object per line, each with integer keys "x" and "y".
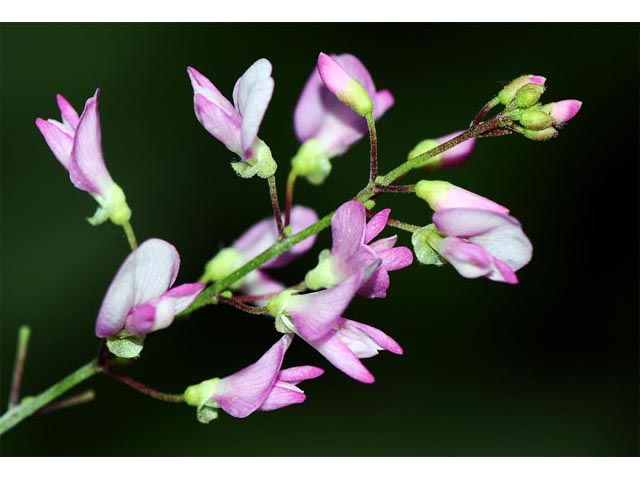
{"x": 535, "y": 119}
{"x": 528, "y": 95}
{"x": 508, "y": 93}
{"x": 539, "y": 135}
{"x": 348, "y": 90}
{"x": 562, "y": 111}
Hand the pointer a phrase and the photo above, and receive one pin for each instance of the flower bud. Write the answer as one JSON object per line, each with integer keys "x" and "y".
{"x": 539, "y": 135}
{"x": 312, "y": 162}
{"x": 528, "y": 95}
{"x": 562, "y": 111}
{"x": 442, "y": 195}
{"x": 447, "y": 159}
{"x": 508, "y": 93}
{"x": 348, "y": 90}
{"x": 535, "y": 119}
{"x": 224, "y": 263}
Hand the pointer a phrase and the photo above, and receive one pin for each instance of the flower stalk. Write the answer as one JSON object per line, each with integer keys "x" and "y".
{"x": 21, "y": 355}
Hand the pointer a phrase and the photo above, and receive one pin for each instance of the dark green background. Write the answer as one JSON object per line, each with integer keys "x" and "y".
{"x": 548, "y": 367}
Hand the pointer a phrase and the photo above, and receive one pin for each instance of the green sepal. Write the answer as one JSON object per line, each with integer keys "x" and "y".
{"x": 125, "y": 346}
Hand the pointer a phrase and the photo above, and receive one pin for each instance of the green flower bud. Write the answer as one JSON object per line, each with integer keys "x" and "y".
{"x": 535, "y": 119}
{"x": 312, "y": 162}
{"x": 528, "y": 95}
{"x": 508, "y": 93}
{"x": 225, "y": 262}
{"x": 539, "y": 135}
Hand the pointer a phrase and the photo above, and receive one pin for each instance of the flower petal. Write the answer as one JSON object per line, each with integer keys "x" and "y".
{"x": 376, "y": 224}
{"x": 469, "y": 222}
{"x": 243, "y": 392}
{"x": 184, "y": 295}
{"x": 259, "y": 283}
{"x": 348, "y": 230}
{"x": 58, "y": 139}
{"x": 87, "y": 169}
{"x": 314, "y": 314}
{"x": 282, "y": 395}
{"x": 68, "y": 113}
{"x": 296, "y": 375}
{"x": 469, "y": 259}
{"x": 251, "y": 96}
{"x": 378, "y": 336}
{"x": 310, "y": 111}
{"x": 340, "y": 356}
{"x": 507, "y": 243}
{"x": 503, "y": 273}
{"x": 383, "y": 101}
{"x": 223, "y": 125}
{"x": 396, "y": 258}
{"x": 377, "y": 285}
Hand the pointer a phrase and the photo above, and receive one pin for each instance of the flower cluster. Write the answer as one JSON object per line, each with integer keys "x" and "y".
{"x": 338, "y": 106}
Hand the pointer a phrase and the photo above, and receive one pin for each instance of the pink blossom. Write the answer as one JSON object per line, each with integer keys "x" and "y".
{"x": 77, "y": 144}
{"x": 140, "y": 299}
{"x": 563, "y": 111}
{"x": 236, "y": 125}
{"x": 442, "y": 195}
{"x": 482, "y": 243}
{"x": 353, "y": 250}
{"x": 317, "y": 319}
{"x": 261, "y": 386}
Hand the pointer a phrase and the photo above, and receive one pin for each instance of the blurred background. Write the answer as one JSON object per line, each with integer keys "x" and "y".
{"x": 547, "y": 367}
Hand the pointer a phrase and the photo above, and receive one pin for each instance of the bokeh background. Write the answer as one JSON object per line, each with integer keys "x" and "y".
{"x": 548, "y": 367}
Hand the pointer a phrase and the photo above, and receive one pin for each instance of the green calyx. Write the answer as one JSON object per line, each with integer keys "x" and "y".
{"x": 225, "y": 262}
{"x": 322, "y": 275}
{"x": 357, "y": 97}
{"x": 201, "y": 397}
{"x": 312, "y": 162}
{"x": 433, "y": 191}
{"x": 277, "y": 308}
{"x": 113, "y": 206}
{"x": 535, "y": 119}
{"x": 528, "y": 95}
{"x": 508, "y": 93}
{"x": 425, "y": 243}
{"x": 422, "y": 147}
{"x": 261, "y": 164}
{"x": 125, "y": 345}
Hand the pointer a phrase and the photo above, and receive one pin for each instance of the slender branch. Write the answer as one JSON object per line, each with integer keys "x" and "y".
{"x": 234, "y": 302}
{"x": 275, "y": 203}
{"x": 18, "y": 368}
{"x": 407, "y": 227}
{"x": 68, "y": 402}
{"x": 140, "y": 387}
{"x": 28, "y": 407}
{"x": 131, "y": 237}
{"x": 484, "y": 111}
{"x": 373, "y": 140}
{"x": 396, "y": 188}
{"x": 291, "y": 181}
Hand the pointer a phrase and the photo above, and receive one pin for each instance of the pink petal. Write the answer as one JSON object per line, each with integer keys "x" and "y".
{"x": 87, "y": 169}
{"x": 469, "y": 259}
{"x": 383, "y": 101}
{"x": 68, "y": 113}
{"x": 503, "y": 273}
{"x": 383, "y": 244}
{"x": 184, "y": 295}
{"x": 348, "y": 229}
{"x": 296, "y": 375}
{"x": 378, "y": 336}
{"x": 340, "y": 356}
{"x": 507, "y": 243}
{"x": 310, "y": 111}
{"x": 377, "y": 285}
{"x": 223, "y": 125}
{"x": 146, "y": 274}
{"x": 259, "y": 283}
{"x": 333, "y": 75}
{"x": 245, "y": 391}
{"x": 469, "y": 222}
{"x": 251, "y": 96}
{"x": 458, "y": 154}
{"x": 396, "y": 258}
{"x": 376, "y": 224}
{"x": 565, "y": 110}
{"x": 198, "y": 80}
{"x": 59, "y": 141}
{"x": 314, "y": 314}
{"x": 282, "y": 395}
{"x": 457, "y": 197}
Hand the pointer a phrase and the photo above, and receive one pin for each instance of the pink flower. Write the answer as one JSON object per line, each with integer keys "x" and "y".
{"x": 236, "y": 125}
{"x": 253, "y": 242}
{"x": 76, "y": 143}
{"x": 317, "y": 319}
{"x": 353, "y": 251}
{"x": 482, "y": 243}
{"x": 326, "y": 126}
{"x": 261, "y": 386}
{"x": 140, "y": 299}
{"x": 563, "y": 111}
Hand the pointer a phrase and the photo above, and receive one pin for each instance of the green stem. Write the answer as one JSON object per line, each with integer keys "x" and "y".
{"x": 275, "y": 203}
{"x": 131, "y": 237}
{"x": 28, "y": 407}
{"x": 407, "y": 227}
{"x": 72, "y": 401}
{"x": 18, "y": 368}
{"x": 373, "y": 141}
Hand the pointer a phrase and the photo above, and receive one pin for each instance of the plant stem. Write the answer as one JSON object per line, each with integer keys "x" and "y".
{"x": 373, "y": 141}
{"x": 18, "y": 368}
{"x": 407, "y": 227}
{"x": 484, "y": 110}
{"x": 165, "y": 397}
{"x": 131, "y": 237}
{"x": 396, "y": 188}
{"x": 242, "y": 306}
{"x": 68, "y": 402}
{"x": 291, "y": 181}
{"x": 30, "y": 406}
{"x": 275, "y": 203}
